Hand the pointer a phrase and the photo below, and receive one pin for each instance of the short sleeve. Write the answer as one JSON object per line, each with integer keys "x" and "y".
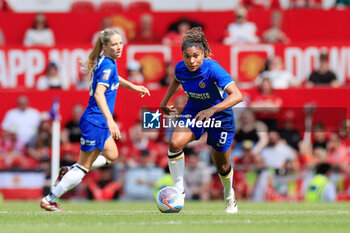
{"x": 105, "y": 76}
{"x": 220, "y": 76}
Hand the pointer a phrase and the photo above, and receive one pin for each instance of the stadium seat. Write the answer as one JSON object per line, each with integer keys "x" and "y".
{"x": 178, "y": 5}
{"x": 111, "y": 6}
{"x": 139, "y": 6}
{"x": 222, "y": 5}
{"x": 82, "y": 6}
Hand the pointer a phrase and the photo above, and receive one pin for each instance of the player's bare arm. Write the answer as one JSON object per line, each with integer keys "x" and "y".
{"x": 102, "y": 104}
{"x": 234, "y": 97}
{"x": 137, "y": 88}
{"x": 173, "y": 88}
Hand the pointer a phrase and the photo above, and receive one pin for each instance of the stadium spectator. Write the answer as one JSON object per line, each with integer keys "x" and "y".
{"x": 344, "y": 133}
{"x": 275, "y": 34}
{"x": 23, "y": 120}
{"x": 197, "y": 177}
{"x": 84, "y": 81}
{"x": 279, "y": 160}
{"x": 320, "y": 136}
{"x": 280, "y": 78}
{"x": 40, "y": 34}
{"x": 323, "y": 76}
{"x": 247, "y": 167}
{"x": 177, "y": 30}
{"x": 105, "y": 188}
{"x": 241, "y": 31}
{"x": 52, "y": 79}
{"x": 2, "y": 38}
{"x": 68, "y": 158}
{"x": 174, "y": 26}
{"x": 266, "y": 104}
{"x": 106, "y": 23}
{"x": 277, "y": 153}
{"x": 11, "y": 149}
{"x": 141, "y": 141}
{"x": 321, "y": 188}
{"x": 145, "y": 33}
{"x": 135, "y": 72}
{"x": 71, "y": 131}
{"x": 169, "y": 74}
{"x": 45, "y": 166}
{"x": 40, "y": 145}
{"x": 250, "y": 130}
{"x": 139, "y": 181}
{"x": 338, "y": 156}
{"x": 288, "y": 132}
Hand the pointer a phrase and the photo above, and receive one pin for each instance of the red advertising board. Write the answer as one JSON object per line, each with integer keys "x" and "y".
{"x": 20, "y": 67}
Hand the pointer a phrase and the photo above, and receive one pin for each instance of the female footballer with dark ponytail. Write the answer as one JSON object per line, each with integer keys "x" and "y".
{"x": 211, "y": 95}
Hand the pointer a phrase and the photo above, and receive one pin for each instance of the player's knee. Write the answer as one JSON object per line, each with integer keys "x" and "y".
{"x": 223, "y": 168}
{"x": 175, "y": 145}
{"x": 111, "y": 156}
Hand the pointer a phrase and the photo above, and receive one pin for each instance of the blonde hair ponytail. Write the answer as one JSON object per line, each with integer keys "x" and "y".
{"x": 102, "y": 39}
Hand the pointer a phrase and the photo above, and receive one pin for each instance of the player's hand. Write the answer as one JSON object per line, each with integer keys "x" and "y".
{"x": 83, "y": 65}
{"x": 142, "y": 91}
{"x": 114, "y": 130}
{"x": 205, "y": 114}
{"x": 169, "y": 110}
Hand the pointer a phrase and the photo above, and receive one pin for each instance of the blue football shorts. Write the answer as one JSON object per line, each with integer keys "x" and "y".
{"x": 221, "y": 138}
{"x": 92, "y": 137}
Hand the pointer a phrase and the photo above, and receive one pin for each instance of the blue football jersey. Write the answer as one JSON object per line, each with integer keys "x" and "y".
{"x": 204, "y": 87}
{"x": 105, "y": 73}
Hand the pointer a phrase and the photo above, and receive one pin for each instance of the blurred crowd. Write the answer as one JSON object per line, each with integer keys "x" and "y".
{"x": 273, "y": 158}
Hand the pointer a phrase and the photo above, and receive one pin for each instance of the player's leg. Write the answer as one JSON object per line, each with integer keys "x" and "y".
{"x": 176, "y": 158}
{"x": 71, "y": 179}
{"x": 92, "y": 143}
{"x": 101, "y": 161}
{"x": 221, "y": 140}
{"x": 222, "y": 163}
{"x": 225, "y": 170}
{"x": 108, "y": 155}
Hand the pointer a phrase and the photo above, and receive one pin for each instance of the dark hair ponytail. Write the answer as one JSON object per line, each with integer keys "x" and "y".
{"x": 196, "y": 37}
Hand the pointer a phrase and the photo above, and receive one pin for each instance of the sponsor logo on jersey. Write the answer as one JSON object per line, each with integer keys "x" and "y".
{"x": 201, "y": 96}
{"x": 201, "y": 84}
{"x": 115, "y": 86}
{"x": 90, "y": 143}
{"x": 87, "y": 142}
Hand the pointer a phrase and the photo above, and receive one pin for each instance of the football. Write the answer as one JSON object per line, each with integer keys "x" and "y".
{"x": 170, "y": 200}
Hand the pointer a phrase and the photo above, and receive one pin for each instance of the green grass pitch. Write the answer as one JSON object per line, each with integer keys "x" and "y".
{"x": 143, "y": 217}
